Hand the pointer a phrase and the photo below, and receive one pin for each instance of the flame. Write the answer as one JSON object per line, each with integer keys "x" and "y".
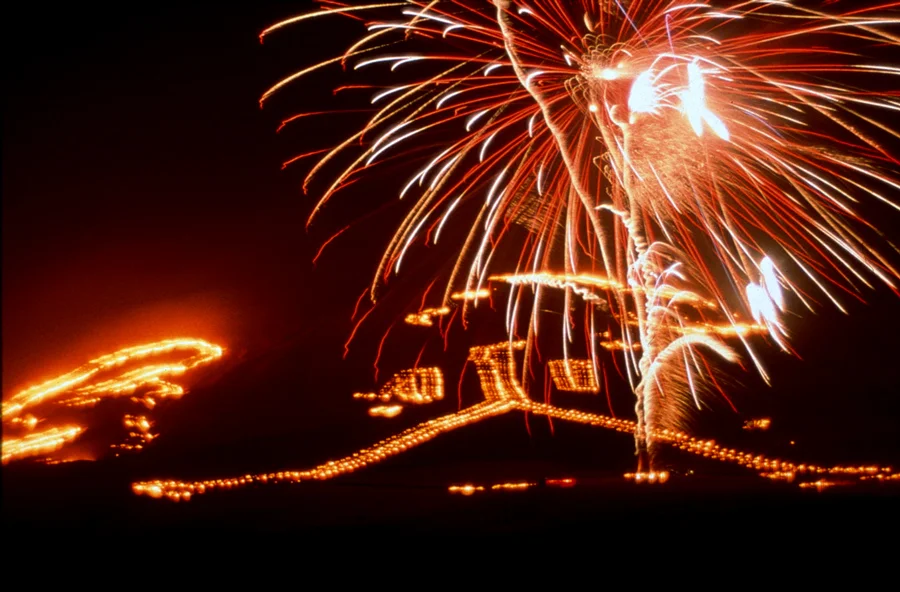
{"x": 758, "y": 424}
{"x": 385, "y": 410}
{"x": 80, "y": 388}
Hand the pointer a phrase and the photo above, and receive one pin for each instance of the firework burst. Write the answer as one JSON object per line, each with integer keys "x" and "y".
{"x": 675, "y": 152}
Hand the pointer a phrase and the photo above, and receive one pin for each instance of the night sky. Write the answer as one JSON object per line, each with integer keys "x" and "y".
{"x": 143, "y": 198}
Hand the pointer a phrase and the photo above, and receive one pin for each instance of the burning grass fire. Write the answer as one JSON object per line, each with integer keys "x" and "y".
{"x": 143, "y": 373}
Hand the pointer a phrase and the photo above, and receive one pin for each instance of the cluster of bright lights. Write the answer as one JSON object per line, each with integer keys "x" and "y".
{"x": 761, "y": 424}
{"x": 85, "y": 387}
{"x": 467, "y": 295}
{"x": 495, "y": 365}
{"x": 882, "y": 476}
{"x": 764, "y": 465}
{"x": 788, "y": 476}
{"x": 822, "y": 484}
{"x": 578, "y": 376}
{"x": 467, "y": 489}
{"x": 415, "y": 386}
{"x": 425, "y": 317}
{"x": 470, "y": 489}
{"x": 139, "y": 433}
{"x": 385, "y": 410}
{"x": 496, "y": 368}
{"x": 651, "y": 477}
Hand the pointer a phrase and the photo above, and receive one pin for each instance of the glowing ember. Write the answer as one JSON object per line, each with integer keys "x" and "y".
{"x": 471, "y": 294}
{"x": 757, "y": 424}
{"x": 511, "y": 486}
{"x": 648, "y": 477}
{"x": 86, "y": 386}
{"x": 465, "y": 489}
{"x": 425, "y": 317}
{"x": 566, "y": 482}
{"x": 469, "y": 489}
{"x": 822, "y": 484}
{"x": 385, "y": 410}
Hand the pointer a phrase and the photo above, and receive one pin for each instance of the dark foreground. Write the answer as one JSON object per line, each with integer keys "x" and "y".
{"x": 48, "y": 507}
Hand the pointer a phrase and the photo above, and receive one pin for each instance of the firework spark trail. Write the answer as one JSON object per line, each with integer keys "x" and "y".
{"x": 750, "y": 137}
{"x": 83, "y": 387}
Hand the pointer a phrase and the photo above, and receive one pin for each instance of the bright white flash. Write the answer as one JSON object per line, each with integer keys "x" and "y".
{"x": 770, "y": 281}
{"x": 643, "y": 97}
{"x": 761, "y": 306}
{"x": 605, "y": 73}
{"x": 694, "y": 104}
{"x": 694, "y": 98}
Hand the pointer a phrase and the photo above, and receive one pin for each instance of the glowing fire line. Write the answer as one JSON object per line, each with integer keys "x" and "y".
{"x": 496, "y": 370}
{"x": 78, "y": 389}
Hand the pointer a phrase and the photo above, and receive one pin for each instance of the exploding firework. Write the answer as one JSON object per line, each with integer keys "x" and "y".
{"x": 679, "y": 152}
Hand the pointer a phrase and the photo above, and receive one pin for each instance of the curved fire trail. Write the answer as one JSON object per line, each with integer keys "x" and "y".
{"x": 496, "y": 369}
{"x": 130, "y": 372}
{"x": 737, "y": 151}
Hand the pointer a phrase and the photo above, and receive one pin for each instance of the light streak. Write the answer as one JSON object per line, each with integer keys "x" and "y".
{"x": 470, "y": 489}
{"x": 471, "y": 294}
{"x": 648, "y": 477}
{"x": 91, "y": 383}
